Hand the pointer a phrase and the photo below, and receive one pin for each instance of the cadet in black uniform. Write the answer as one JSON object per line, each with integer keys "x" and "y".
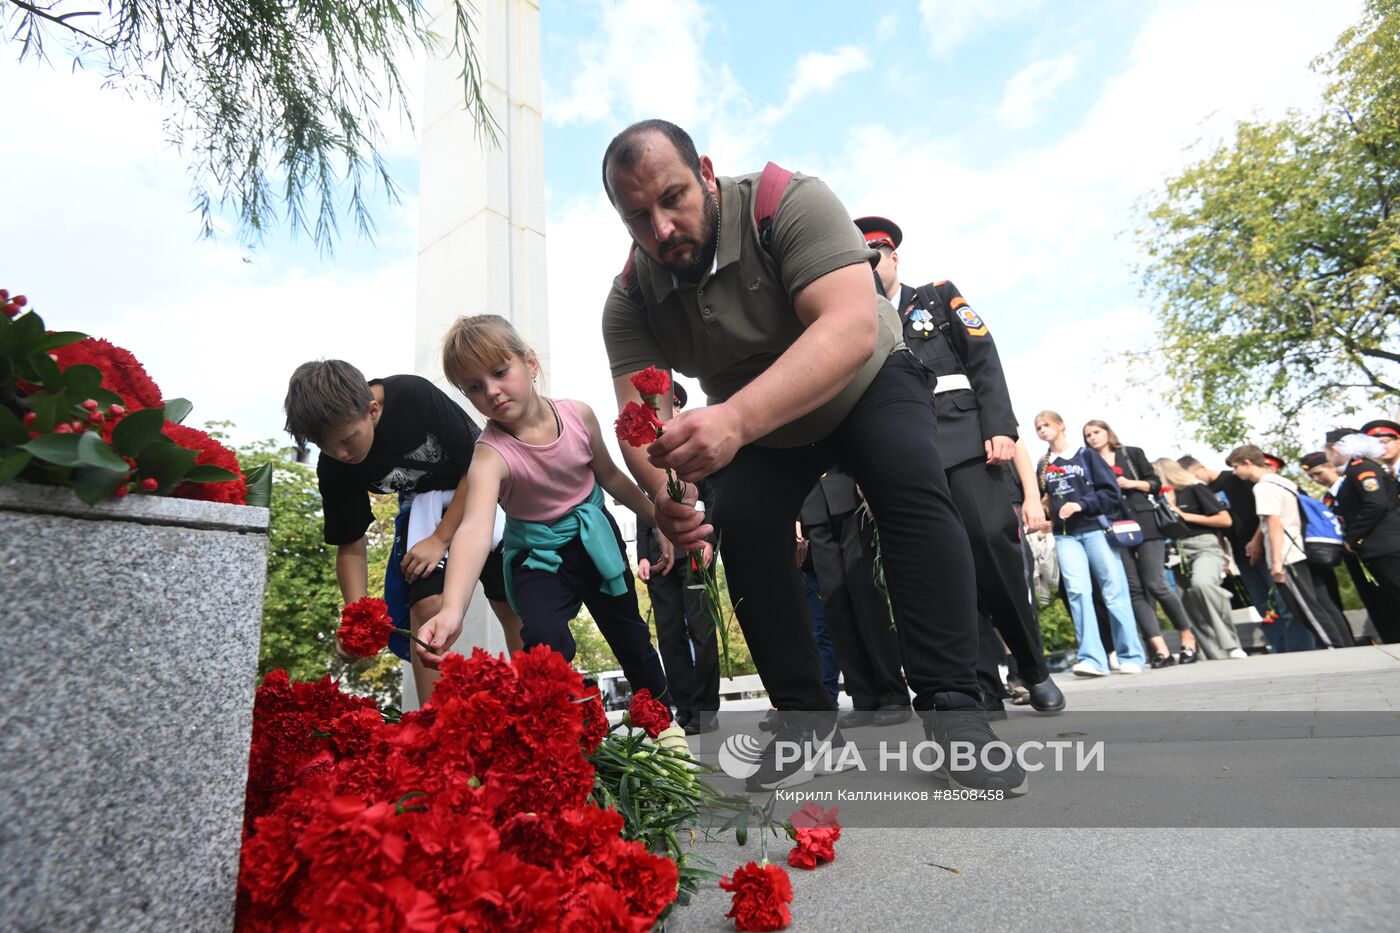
{"x": 857, "y": 615}
{"x": 1368, "y": 505}
{"x": 976, "y": 441}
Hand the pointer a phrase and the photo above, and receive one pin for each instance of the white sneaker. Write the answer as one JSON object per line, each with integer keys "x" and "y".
{"x": 1087, "y": 668}
{"x": 1238, "y": 653}
{"x": 1130, "y": 668}
{"x": 1113, "y": 660}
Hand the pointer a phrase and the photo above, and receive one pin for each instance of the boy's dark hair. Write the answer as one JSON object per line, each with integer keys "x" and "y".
{"x": 624, "y": 151}
{"x": 324, "y": 395}
{"x": 1247, "y": 453}
{"x": 1186, "y": 461}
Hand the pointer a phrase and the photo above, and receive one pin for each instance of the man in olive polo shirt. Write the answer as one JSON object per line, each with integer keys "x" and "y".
{"x": 803, "y": 366}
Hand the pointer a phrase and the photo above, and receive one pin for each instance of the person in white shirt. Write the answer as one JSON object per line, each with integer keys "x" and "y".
{"x": 1276, "y": 500}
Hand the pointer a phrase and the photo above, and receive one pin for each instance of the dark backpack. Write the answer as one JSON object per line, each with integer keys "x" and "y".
{"x": 771, "y": 186}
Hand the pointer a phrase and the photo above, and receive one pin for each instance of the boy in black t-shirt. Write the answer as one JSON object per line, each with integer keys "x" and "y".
{"x": 400, "y": 434}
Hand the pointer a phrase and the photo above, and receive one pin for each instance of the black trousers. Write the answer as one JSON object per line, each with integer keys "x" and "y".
{"x": 1145, "y": 566}
{"x": 1382, "y": 601}
{"x": 887, "y": 443}
{"x": 994, "y": 532}
{"x": 547, "y": 603}
{"x": 1386, "y": 613}
{"x": 857, "y": 615}
{"x": 682, "y": 618}
{"x": 1306, "y": 594}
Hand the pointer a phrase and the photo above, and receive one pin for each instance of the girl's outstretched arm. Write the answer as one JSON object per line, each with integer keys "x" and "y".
{"x": 481, "y": 486}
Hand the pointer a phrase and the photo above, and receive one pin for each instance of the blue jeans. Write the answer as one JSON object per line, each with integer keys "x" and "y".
{"x": 1085, "y": 558}
{"x": 1285, "y": 634}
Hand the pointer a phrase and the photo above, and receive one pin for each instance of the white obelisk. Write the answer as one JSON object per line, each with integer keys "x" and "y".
{"x": 481, "y": 211}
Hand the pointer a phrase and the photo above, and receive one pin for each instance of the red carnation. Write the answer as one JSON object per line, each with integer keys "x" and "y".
{"x": 637, "y": 425}
{"x": 1118, "y": 471}
{"x": 814, "y": 845}
{"x": 809, "y": 816}
{"x": 365, "y": 626}
{"x": 211, "y": 453}
{"x": 761, "y": 895}
{"x": 122, "y": 373}
{"x": 652, "y": 382}
{"x": 649, "y": 714}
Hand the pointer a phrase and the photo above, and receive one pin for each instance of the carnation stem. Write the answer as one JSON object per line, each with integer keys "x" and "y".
{"x": 414, "y": 638}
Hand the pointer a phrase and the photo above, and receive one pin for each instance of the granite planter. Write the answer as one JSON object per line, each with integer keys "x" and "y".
{"x": 126, "y": 683}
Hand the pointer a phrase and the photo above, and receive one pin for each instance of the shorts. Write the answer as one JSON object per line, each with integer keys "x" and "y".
{"x": 493, "y": 582}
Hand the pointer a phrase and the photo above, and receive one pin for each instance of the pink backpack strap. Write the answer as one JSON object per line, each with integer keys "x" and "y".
{"x": 771, "y": 185}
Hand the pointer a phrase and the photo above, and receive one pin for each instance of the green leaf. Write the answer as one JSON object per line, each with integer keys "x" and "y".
{"x": 177, "y": 409}
{"x": 208, "y": 473}
{"x": 12, "y": 462}
{"x": 106, "y": 397}
{"x": 59, "y": 338}
{"x": 61, "y": 449}
{"x": 138, "y": 430}
{"x": 23, "y": 337}
{"x": 94, "y": 451}
{"x": 166, "y": 463}
{"x": 12, "y": 429}
{"x": 259, "y": 483}
{"x": 40, "y": 368}
{"x": 80, "y": 381}
{"x": 94, "y": 484}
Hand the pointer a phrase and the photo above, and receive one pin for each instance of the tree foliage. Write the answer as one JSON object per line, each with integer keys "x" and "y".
{"x": 276, "y": 105}
{"x": 1275, "y": 261}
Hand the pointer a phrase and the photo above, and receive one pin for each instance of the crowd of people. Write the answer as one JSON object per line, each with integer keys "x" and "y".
{"x": 844, "y": 407}
{"x": 1245, "y": 535}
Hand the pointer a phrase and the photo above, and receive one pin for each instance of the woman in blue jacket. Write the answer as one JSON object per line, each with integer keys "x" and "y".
{"x": 1084, "y": 498}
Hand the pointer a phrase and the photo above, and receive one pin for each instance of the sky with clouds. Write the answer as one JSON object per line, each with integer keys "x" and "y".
{"x": 1013, "y": 142}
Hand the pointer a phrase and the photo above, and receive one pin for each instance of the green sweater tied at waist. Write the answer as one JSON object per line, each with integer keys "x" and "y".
{"x": 541, "y": 543}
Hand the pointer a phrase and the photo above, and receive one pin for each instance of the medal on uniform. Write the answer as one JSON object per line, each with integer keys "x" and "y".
{"x": 921, "y": 321}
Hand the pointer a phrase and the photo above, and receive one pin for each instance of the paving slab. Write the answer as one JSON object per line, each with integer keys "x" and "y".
{"x": 1141, "y": 878}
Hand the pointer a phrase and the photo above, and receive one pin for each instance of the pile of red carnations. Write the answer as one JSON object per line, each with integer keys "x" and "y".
{"x": 472, "y": 814}
{"x": 80, "y": 412}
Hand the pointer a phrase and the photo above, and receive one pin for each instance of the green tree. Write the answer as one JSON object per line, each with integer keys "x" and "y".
{"x": 1275, "y": 261}
{"x": 277, "y": 106}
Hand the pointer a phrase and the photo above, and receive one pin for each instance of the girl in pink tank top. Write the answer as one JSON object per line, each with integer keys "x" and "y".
{"x": 543, "y": 459}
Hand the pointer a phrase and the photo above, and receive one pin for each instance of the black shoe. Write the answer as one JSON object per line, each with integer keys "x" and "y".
{"x": 956, "y": 717}
{"x": 855, "y": 718}
{"x": 1187, "y": 656}
{"x": 824, "y": 750}
{"x": 994, "y": 707}
{"x": 1046, "y": 697}
{"x": 769, "y": 722}
{"x": 701, "y": 723}
{"x": 892, "y": 714}
{"x": 1164, "y": 660}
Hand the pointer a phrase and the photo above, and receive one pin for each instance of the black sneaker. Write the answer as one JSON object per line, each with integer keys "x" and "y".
{"x": 701, "y": 723}
{"x": 822, "y": 750}
{"x": 1162, "y": 660}
{"x": 956, "y": 717}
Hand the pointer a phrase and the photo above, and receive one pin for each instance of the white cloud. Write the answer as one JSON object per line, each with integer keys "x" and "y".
{"x": 103, "y": 241}
{"x": 1041, "y": 239}
{"x": 950, "y": 23}
{"x": 647, "y": 60}
{"x": 1032, "y": 87}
